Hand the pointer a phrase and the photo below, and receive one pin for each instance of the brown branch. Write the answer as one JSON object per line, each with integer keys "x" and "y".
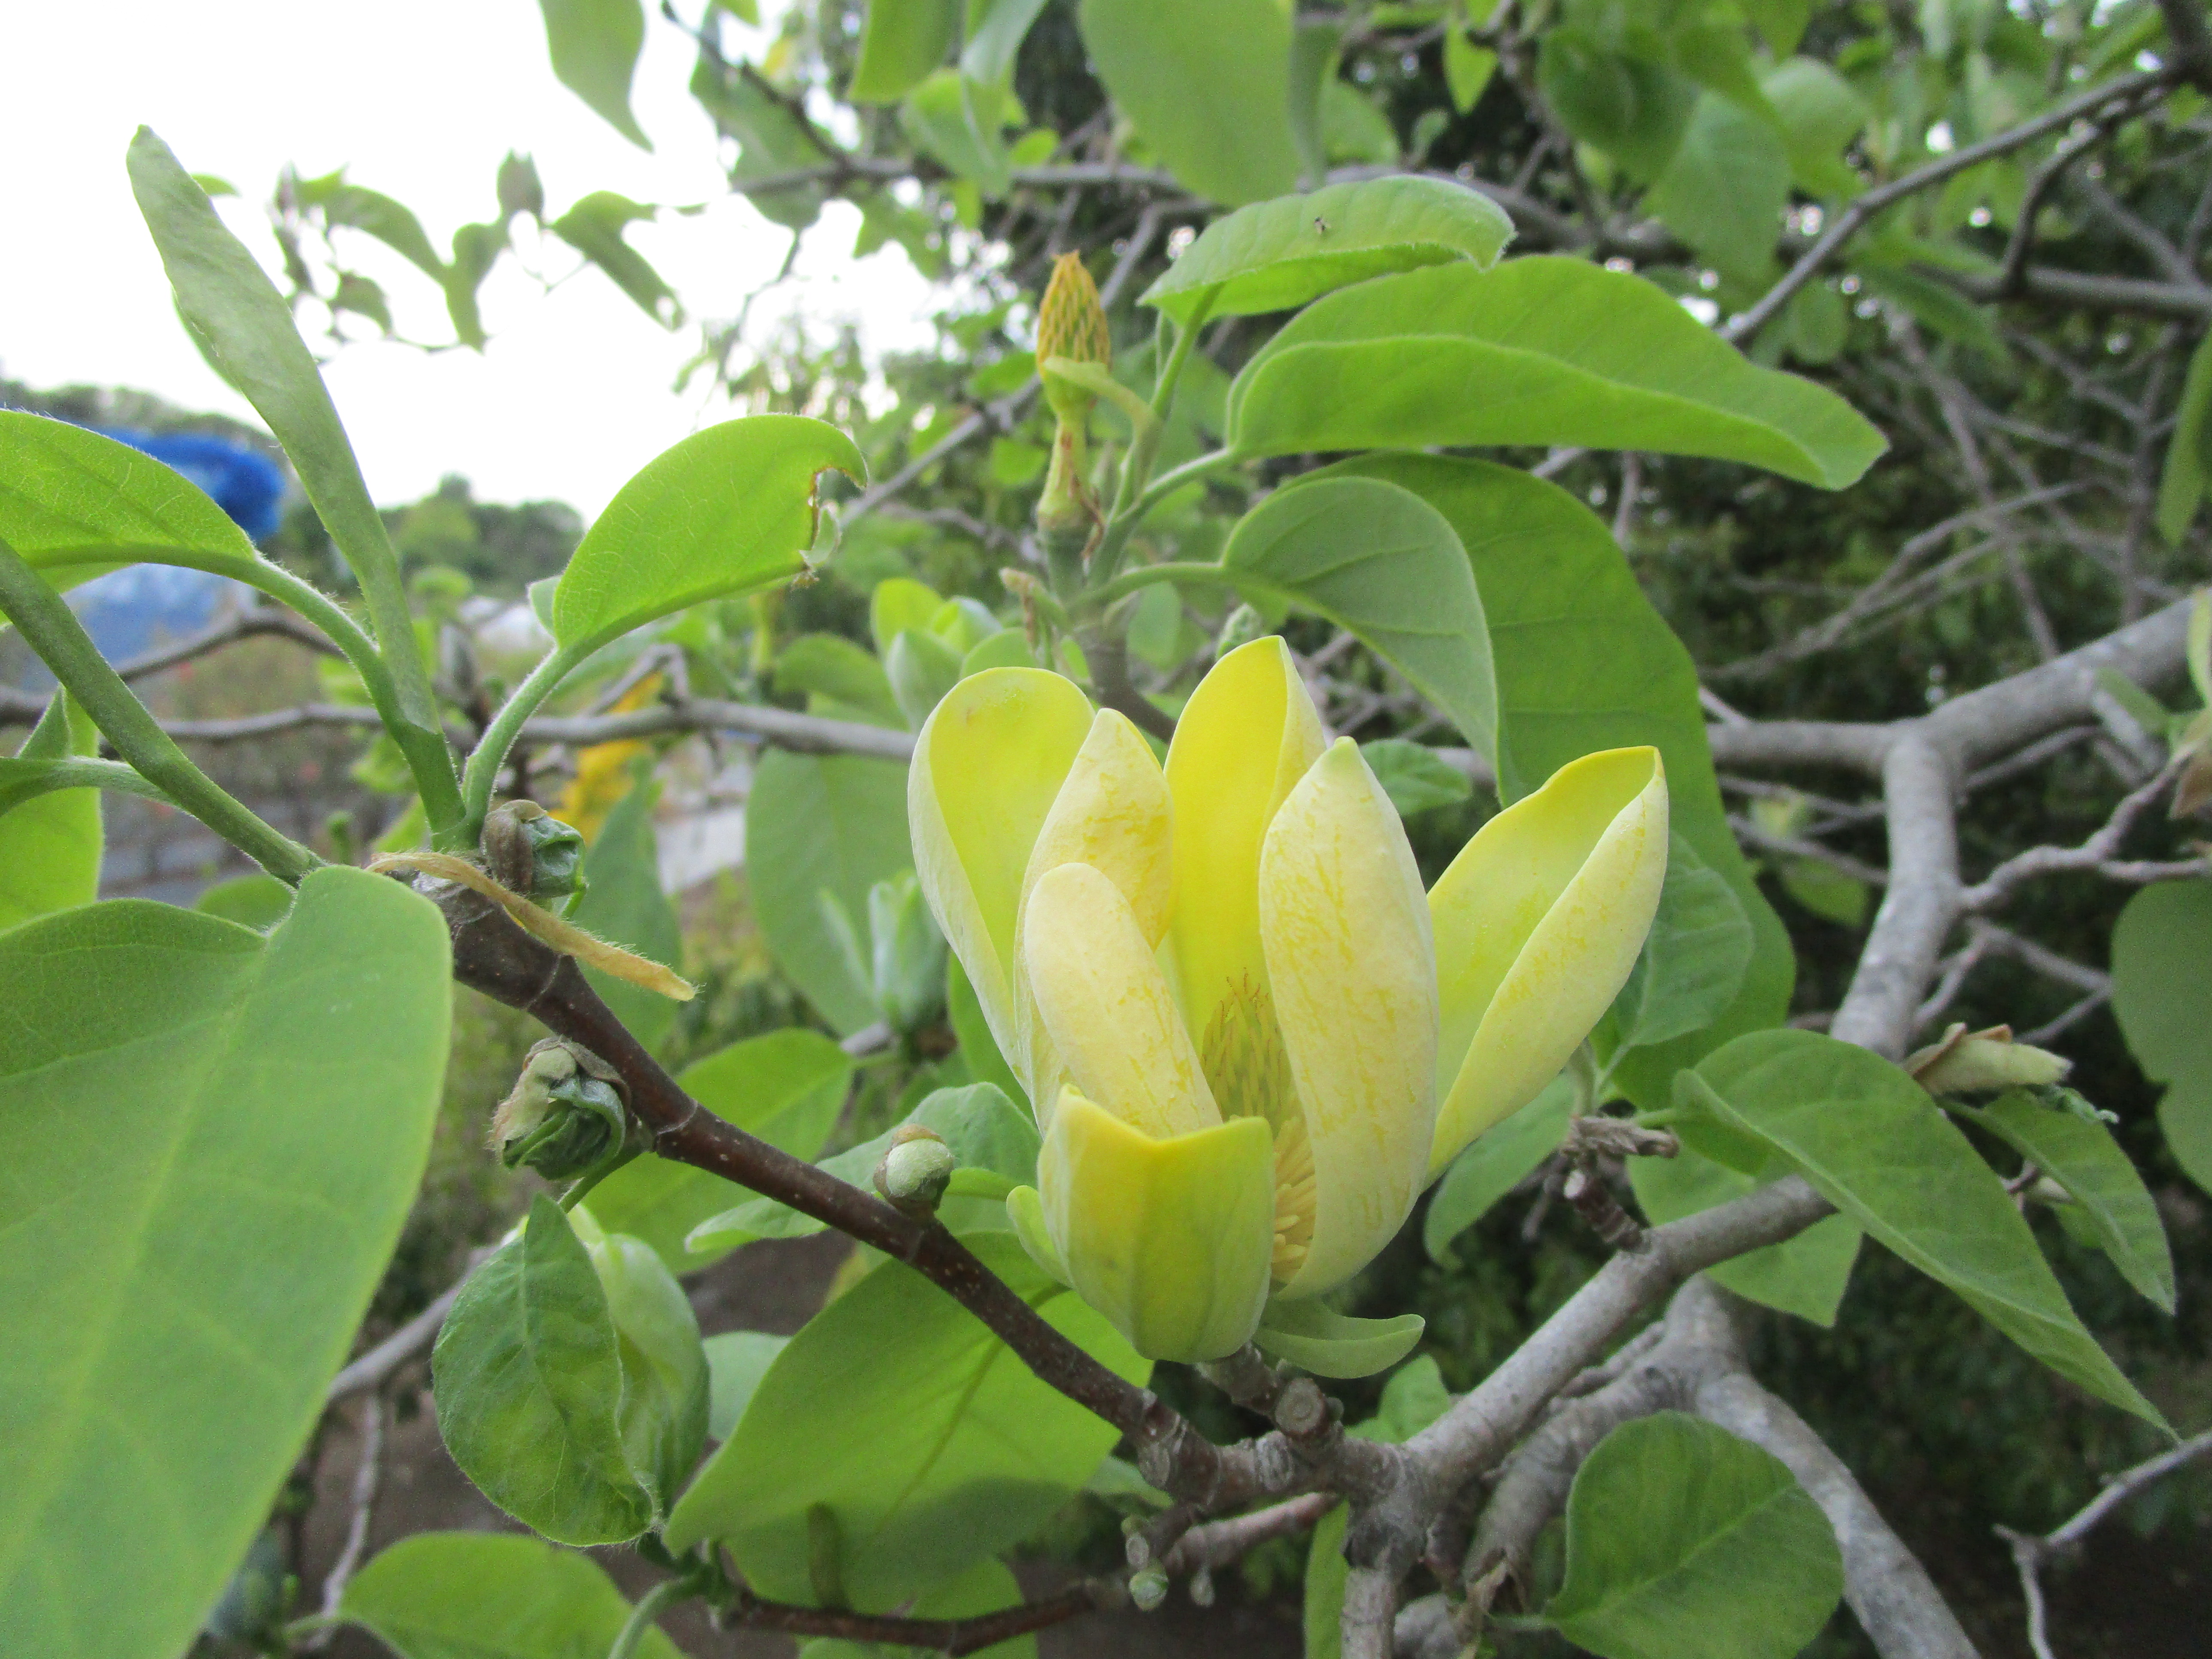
{"x": 946, "y": 1636}
{"x": 247, "y": 622}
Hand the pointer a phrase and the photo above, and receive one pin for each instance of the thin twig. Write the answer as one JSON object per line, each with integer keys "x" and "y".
{"x": 367, "y": 1478}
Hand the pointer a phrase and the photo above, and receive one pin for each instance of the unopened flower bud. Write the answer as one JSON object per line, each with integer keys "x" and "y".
{"x": 1241, "y": 627}
{"x": 916, "y": 1168}
{"x": 559, "y": 1119}
{"x": 1978, "y": 1062}
{"x": 1072, "y": 323}
{"x": 529, "y": 851}
{"x": 1148, "y": 1589}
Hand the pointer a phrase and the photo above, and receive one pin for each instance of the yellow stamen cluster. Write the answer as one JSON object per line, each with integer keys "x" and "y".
{"x": 1248, "y": 1070}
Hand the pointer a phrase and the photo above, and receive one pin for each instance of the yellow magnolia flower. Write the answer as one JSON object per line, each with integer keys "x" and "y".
{"x": 1219, "y": 979}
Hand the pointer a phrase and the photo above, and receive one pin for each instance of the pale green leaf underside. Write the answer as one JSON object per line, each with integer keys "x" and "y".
{"x": 1541, "y": 350}
{"x": 726, "y": 511}
{"x": 952, "y": 1454}
{"x": 1378, "y": 560}
{"x": 185, "y": 1103}
{"x": 70, "y": 496}
{"x": 1276, "y": 255}
{"x": 491, "y": 1596}
{"x": 1875, "y": 1145}
{"x": 1685, "y": 1542}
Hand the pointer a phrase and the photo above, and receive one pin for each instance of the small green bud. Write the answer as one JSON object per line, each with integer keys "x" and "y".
{"x": 1148, "y": 1589}
{"x": 563, "y": 1115}
{"x": 529, "y": 851}
{"x": 916, "y": 1168}
{"x": 1241, "y": 627}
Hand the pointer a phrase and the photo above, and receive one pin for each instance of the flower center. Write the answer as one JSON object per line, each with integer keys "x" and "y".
{"x": 1248, "y": 1070}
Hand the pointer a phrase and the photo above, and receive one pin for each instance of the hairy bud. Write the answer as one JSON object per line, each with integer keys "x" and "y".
{"x": 915, "y": 1169}
{"x": 1241, "y": 627}
{"x": 1148, "y": 1589}
{"x": 529, "y": 851}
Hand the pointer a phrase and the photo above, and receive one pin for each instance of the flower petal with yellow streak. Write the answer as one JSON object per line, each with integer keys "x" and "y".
{"x": 1107, "y": 1007}
{"x": 1354, "y": 980}
{"x": 1170, "y": 1239}
{"x": 1538, "y": 921}
{"x": 986, "y": 766}
{"x": 1248, "y": 733}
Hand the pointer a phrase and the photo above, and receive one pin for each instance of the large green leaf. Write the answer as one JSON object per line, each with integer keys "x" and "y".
{"x": 1585, "y": 663}
{"x": 490, "y": 1595}
{"x": 917, "y": 1433}
{"x": 1542, "y": 350}
{"x": 1499, "y": 1161}
{"x": 622, "y": 903}
{"x": 1879, "y": 1150}
{"x": 1633, "y": 110}
{"x": 2164, "y": 1001}
{"x": 787, "y": 1087}
{"x": 726, "y": 511}
{"x": 1685, "y": 1542}
{"x": 2080, "y": 1154}
{"x": 817, "y": 824}
{"x": 1377, "y": 559}
{"x": 1274, "y": 256}
{"x": 570, "y": 1383}
{"x": 50, "y": 843}
{"x": 901, "y": 42}
{"x": 1806, "y": 1275}
{"x": 1693, "y": 959}
{"x": 244, "y": 328}
{"x": 1723, "y": 190}
{"x": 72, "y": 497}
{"x": 1206, "y": 88}
{"x": 212, "y": 1139}
{"x": 594, "y": 45}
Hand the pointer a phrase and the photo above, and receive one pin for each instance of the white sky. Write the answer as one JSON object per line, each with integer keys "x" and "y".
{"x": 419, "y": 100}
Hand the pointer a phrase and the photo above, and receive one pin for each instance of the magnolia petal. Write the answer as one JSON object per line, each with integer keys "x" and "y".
{"x": 1112, "y": 814}
{"x": 1107, "y": 1007}
{"x": 1168, "y": 1238}
{"x": 1538, "y": 922}
{"x": 1354, "y": 977}
{"x": 987, "y": 765}
{"x": 1248, "y": 734}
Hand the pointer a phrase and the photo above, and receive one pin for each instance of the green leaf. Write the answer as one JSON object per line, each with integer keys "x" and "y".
{"x": 788, "y": 1087}
{"x": 1781, "y": 23}
{"x": 921, "y": 668}
{"x": 817, "y": 823}
{"x": 2081, "y": 1155}
{"x": 736, "y": 1362}
{"x": 1316, "y": 1338}
{"x": 244, "y": 328}
{"x": 594, "y": 226}
{"x": 662, "y": 1414}
{"x": 2188, "y": 471}
{"x": 532, "y": 1384}
{"x": 1806, "y": 1275}
{"x": 901, "y": 42}
{"x": 1634, "y": 111}
{"x": 977, "y": 1046}
{"x": 1468, "y": 70}
{"x": 1326, "y": 1572}
{"x": 1585, "y": 663}
{"x": 1695, "y": 958}
{"x": 1414, "y": 775}
{"x": 770, "y": 140}
{"x": 918, "y": 1431}
{"x": 995, "y": 31}
{"x": 1873, "y": 1143}
{"x": 1413, "y": 1397}
{"x": 1206, "y": 87}
{"x": 1723, "y": 190}
{"x": 70, "y": 497}
{"x": 1685, "y": 1542}
{"x": 490, "y": 1595}
{"x": 392, "y": 223}
{"x": 1834, "y": 895}
{"x": 49, "y": 838}
{"x": 1542, "y": 350}
{"x": 1937, "y": 305}
{"x": 1379, "y": 561}
{"x": 2160, "y": 946}
{"x": 1277, "y": 255}
{"x": 1820, "y": 116}
{"x": 185, "y": 1103}
{"x": 1352, "y": 129}
{"x": 984, "y": 1128}
{"x": 256, "y": 901}
{"x": 1499, "y": 1161}
{"x": 594, "y": 45}
{"x": 959, "y": 122}
{"x": 726, "y": 511}
{"x": 839, "y": 679}
{"x": 622, "y": 903}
